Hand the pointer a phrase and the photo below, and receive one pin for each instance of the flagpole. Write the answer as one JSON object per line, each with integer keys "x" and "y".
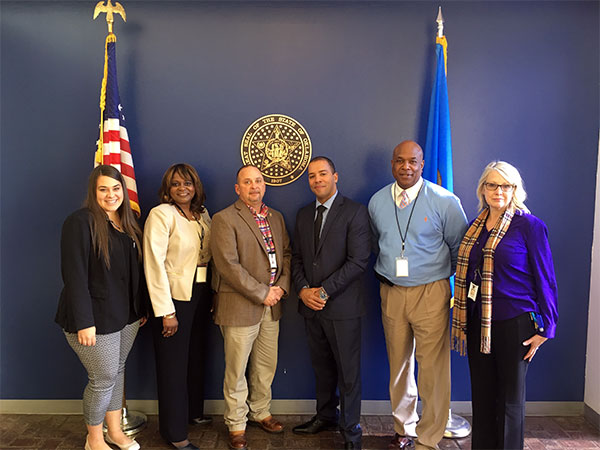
{"x": 132, "y": 422}
{"x": 456, "y": 426}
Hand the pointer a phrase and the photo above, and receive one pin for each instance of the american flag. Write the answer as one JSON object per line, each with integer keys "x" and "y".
{"x": 113, "y": 148}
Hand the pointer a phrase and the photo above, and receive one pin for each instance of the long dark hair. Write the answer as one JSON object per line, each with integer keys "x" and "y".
{"x": 99, "y": 219}
{"x": 186, "y": 172}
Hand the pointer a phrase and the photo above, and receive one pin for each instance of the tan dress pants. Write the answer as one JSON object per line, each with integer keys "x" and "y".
{"x": 418, "y": 315}
{"x": 255, "y": 347}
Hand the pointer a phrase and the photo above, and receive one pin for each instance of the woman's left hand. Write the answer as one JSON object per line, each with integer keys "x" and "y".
{"x": 143, "y": 321}
{"x": 534, "y": 342}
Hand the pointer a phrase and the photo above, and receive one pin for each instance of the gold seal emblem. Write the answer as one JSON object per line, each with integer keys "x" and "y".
{"x": 279, "y": 146}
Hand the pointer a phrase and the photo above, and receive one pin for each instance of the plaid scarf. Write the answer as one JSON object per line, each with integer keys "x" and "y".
{"x": 265, "y": 229}
{"x": 459, "y": 316}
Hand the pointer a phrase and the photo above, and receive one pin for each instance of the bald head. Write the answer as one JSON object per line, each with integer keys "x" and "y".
{"x": 250, "y": 186}
{"x": 407, "y": 145}
{"x": 407, "y": 163}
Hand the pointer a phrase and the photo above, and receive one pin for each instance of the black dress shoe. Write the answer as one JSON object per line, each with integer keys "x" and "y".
{"x": 202, "y": 420}
{"x": 400, "y": 442}
{"x": 314, "y": 426}
{"x": 352, "y": 445}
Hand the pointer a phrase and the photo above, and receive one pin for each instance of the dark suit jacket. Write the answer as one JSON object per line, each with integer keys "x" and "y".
{"x": 94, "y": 295}
{"x": 340, "y": 261}
{"x": 242, "y": 274}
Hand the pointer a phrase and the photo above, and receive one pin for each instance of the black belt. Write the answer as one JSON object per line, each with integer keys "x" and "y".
{"x": 383, "y": 279}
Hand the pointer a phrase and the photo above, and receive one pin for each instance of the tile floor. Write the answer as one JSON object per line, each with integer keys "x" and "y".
{"x": 67, "y": 432}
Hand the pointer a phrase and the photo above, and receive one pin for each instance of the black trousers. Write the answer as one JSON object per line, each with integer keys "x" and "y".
{"x": 199, "y": 351}
{"x": 180, "y": 363}
{"x": 335, "y": 354}
{"x": 498, "y": 383}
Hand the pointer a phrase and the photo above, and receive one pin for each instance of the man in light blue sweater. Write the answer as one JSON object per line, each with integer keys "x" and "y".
{"x": 418, "y": 226}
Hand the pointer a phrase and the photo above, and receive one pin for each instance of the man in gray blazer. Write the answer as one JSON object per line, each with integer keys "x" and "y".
{"x": 251, "y": 253}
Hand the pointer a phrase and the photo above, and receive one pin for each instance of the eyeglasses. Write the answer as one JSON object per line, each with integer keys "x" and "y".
{"x": 493, "y": 186}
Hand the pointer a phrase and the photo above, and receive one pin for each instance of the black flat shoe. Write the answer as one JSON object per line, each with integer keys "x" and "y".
{"x": 190, "y": 446}
{"x": 314, "y": 426}
{"x": 204, "y": 420}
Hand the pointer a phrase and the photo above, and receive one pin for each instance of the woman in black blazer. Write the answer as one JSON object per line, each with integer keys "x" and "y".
{"x": 100, "y": 308}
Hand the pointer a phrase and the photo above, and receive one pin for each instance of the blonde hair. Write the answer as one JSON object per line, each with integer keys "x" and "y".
{"x": 510, "y": 174}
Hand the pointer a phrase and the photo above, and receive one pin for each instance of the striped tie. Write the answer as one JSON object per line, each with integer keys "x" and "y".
{"x": 404, "y": 200}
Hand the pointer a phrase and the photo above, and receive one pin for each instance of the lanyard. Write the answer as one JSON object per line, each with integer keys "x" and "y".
{"x": 200, "y": 235}
{"x": 405, "y": 235}
{"x": 479, "y": 265}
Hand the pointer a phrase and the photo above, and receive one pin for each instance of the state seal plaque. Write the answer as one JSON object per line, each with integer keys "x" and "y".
{"x": 279, "y": 146}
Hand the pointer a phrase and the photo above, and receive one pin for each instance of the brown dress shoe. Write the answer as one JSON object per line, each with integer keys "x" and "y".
{"x": 237, "y": 441}
{"x": 269, "y": 424}
{"x": 400, "y": 442}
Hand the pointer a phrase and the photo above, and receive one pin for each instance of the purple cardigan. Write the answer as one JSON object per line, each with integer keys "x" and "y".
{"x": 524, "y": 279}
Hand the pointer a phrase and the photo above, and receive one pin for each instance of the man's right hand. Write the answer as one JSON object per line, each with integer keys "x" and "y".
{"x": 274, "y": 295}
{"x": 311, "y": 298}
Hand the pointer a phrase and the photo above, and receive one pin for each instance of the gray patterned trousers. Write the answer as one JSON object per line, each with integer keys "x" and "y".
{"x": 105, "y": 365}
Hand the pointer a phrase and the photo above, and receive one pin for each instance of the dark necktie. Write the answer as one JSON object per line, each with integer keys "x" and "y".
{"x": 318, "y": 222}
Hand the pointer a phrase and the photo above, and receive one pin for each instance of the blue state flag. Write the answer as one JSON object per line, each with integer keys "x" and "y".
{"x": 438, "y": 146}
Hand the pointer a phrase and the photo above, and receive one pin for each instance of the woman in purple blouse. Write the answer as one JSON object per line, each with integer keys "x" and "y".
{"x": 505, "y": 305}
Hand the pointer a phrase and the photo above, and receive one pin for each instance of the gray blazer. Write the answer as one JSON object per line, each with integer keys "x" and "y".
{"x": 242, "y": 275}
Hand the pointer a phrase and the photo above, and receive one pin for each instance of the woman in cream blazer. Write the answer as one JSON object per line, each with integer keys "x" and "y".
{"x": 176, "y": 257}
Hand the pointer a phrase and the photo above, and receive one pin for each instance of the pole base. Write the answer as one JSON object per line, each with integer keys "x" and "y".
{"x": 132, "y": 422}
{"x": 457, "y": 427}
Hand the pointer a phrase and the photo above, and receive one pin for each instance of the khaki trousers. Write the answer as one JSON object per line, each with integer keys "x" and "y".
{"x": 254, "y": 347}
{"x": 418, "y": 315}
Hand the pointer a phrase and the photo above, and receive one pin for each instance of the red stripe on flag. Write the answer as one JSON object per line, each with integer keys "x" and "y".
{"x": 111, "y": 136}
{"x": 133, "y": 196}
{"x": 111, "y": 159}
{"x": 125, "y": 146}
{"x": 128, "y": 171}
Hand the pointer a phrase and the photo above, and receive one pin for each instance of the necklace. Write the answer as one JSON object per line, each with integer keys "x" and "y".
{"x": 202, "y": 233}
{"x": 117, "y": 227}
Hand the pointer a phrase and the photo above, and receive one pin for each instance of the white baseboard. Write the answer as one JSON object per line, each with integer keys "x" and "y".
{"x": 215, "y": 407}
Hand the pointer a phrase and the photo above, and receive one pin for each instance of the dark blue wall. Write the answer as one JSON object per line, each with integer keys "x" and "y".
{"x": 523, "y": 86}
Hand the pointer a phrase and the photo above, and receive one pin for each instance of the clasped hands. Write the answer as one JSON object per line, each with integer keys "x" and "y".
{"x": 274, "y": 295}
{"x": 312, "y": 299}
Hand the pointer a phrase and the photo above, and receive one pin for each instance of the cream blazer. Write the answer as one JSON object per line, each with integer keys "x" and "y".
{"x": 171, "y": 249}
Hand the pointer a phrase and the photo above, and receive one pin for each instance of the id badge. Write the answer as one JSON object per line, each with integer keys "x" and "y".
{"x": 401, "y": 266}
{"x": 201, "y": 272}
{"x": 273, "y": 260}
{"x": 473, "y": 288}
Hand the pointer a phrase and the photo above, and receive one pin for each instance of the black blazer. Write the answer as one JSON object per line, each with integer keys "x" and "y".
{"x": 92, "y": 294}
{"x": 340, "y": 261}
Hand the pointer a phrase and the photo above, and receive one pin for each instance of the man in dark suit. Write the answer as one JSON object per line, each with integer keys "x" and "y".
{"x": 330, "y": 255}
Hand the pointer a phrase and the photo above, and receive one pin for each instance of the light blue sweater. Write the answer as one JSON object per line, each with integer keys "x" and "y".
{"x": 436, "y": 229}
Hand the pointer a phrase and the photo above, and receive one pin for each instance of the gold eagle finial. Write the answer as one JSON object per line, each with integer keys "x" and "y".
{"x": 109, "y": 10}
